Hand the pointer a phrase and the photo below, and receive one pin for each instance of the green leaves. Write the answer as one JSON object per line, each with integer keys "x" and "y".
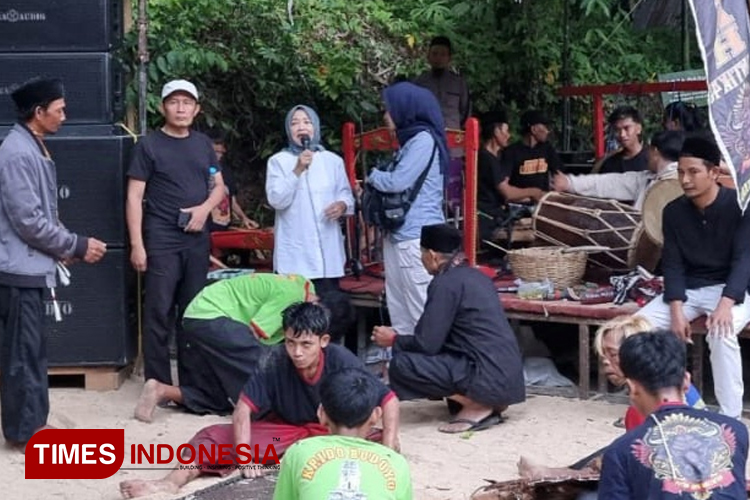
{"x": 251, "y": 62}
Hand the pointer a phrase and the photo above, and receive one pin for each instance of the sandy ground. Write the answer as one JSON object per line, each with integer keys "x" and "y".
{"x": 556, "y": 431}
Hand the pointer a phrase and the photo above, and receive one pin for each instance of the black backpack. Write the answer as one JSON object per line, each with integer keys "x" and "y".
{"x": 388, "y": 210}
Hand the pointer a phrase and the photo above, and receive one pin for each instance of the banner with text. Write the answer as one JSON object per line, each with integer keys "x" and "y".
{"x": 723, "y": 30}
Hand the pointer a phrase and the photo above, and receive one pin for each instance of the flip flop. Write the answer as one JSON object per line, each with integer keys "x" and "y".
{"x": 491, "y": 420}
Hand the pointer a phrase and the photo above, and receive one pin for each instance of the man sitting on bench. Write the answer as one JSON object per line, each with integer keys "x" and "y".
{"x": 631, "y": 186}
{"x": 463, "y": 347}
{"x": 282, "y": 396}
{"x": 706, "y": 265}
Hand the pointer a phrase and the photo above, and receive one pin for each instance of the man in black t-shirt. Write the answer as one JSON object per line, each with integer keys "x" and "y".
{"x": 494, "y": 189}
{"x": 532, "y": 160}
{"x": 279, "y": 404}
{"x": 632, "y": 157}
{"x": 168, "y": 204}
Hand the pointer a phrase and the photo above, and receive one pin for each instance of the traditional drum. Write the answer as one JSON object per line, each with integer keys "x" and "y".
{"x": 572, "y": 221}
{"x": 659, "y": 194}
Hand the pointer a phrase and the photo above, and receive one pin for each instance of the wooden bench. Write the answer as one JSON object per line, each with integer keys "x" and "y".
{"x": 699, "y": 331}
{"x": 369, "y": 292}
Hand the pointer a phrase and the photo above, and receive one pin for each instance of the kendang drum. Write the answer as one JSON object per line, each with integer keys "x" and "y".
{"x": 659, "y": 194}
{"x": 570, "y": 220}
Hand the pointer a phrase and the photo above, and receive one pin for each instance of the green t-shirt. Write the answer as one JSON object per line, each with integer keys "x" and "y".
{"x": 342, "y": 468}
{"x": 256, "y": 300}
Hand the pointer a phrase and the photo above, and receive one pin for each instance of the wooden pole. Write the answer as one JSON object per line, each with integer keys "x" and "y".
{"x": 143, "y": 59}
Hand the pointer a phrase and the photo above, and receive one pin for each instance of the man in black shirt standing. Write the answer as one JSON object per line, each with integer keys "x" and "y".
{"x": 706, "y": 264}
{"x": 171, "y": 171}
{"x": 532, "y": 160}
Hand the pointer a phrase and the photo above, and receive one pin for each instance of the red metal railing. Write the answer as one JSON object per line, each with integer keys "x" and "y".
{"x": 381, "y": 139}
{"x": 598, "y": 91}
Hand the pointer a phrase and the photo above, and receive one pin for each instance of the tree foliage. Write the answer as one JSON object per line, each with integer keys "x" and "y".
{"x": 254, "y": 59}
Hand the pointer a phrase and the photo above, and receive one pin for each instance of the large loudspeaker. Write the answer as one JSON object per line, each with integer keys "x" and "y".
{"x": 93, "y": 84}
{"x": 60, "y": 25}
{"x": 91, "y": 185}
{"x": 99, "y": 315}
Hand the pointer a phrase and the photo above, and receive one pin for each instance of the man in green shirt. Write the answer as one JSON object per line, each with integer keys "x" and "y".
{"x": 344, "y": 464}
{"x": 227, "y": 325}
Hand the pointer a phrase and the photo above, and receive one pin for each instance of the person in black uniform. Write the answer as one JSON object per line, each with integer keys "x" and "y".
{"x": 532, "y": 160}
{"x": 626, "y": 124}
{"x": 463, "y": 347}
{"x": 494, "y": 190}
{"x": 706, "y": 264}
{"x": 171, "y": 170}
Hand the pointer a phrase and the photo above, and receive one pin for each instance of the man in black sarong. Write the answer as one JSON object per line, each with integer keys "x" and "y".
{"x": 463, "y": 347}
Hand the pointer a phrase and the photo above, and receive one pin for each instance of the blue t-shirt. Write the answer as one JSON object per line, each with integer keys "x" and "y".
{"x": 689, "y": 454}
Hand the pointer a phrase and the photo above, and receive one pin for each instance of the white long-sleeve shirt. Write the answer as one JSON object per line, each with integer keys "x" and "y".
{"x": 305, "y": 241}
{"x": 626, "y": 186}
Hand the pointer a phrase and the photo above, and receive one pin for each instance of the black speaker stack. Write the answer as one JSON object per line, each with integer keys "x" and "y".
{"x": 76, "y": 41}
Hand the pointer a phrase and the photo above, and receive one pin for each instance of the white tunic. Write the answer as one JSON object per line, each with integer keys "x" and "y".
{"x": 305, "y": 241}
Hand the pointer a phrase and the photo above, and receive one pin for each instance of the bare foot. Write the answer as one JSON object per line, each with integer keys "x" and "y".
{"x": 150, "y": 396}
{"x": 135, "y": 488}
{"x": 528, "y": 469}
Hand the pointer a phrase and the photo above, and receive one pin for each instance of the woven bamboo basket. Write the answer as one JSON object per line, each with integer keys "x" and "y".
{"x": 563, "y": 266}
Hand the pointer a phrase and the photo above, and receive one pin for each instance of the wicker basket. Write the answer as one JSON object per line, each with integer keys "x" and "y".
{"x": 564, "y": 269}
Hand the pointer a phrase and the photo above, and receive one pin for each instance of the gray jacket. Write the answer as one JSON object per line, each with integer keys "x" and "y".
{"x": 31, "y": 236}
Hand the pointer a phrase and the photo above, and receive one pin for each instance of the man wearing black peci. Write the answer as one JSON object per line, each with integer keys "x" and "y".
{"x": 32, "y": 240}
{"x": 706, "y": 265}
{"x": 463, "y": 347}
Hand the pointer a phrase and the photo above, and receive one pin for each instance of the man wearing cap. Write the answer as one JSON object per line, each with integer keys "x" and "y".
{"x": 706, "y": 265}
{"x": 33, "y": 242}
{"x": 463, "y": 347}
{"x": 169, "y": 200}
{"x": 494, "y": 190}
{"x": 532, "y": 160}
{"x": 626, "y": 124}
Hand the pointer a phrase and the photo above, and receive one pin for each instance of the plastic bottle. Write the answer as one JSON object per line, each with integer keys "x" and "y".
{"x": 212, "y": 170}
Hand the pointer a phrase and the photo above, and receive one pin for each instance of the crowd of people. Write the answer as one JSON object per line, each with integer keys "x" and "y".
{"x": 264, "y": 348}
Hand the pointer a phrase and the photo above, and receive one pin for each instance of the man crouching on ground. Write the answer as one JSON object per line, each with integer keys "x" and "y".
{"x": 463, "y": 348}
{"x": 282, "y": 397}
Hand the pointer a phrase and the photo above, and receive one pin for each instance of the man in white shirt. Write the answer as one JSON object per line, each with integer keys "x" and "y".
{"x": 628, "y": 186}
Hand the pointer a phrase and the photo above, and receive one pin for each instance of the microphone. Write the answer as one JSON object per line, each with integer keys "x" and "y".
{"x": 305, "y": 139}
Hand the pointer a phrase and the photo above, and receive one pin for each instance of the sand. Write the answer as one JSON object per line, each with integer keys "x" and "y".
{"x": 556, "y": 431}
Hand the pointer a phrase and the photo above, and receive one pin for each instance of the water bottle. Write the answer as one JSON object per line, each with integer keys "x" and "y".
{"x": 212, "y": 170}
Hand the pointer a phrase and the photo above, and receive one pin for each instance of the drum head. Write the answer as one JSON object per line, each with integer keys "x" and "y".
{"x": 657, "y": 197}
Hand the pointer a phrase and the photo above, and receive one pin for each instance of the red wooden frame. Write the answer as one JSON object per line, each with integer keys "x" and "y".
{"x": 598, "y": 91}
{"x": 381, "y": 139}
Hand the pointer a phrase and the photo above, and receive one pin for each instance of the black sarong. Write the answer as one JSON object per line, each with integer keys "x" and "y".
{"x": 23, "y": 362}
{"x": 217, "y": 359}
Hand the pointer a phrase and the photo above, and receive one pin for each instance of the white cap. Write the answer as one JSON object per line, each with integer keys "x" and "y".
{"x": 177, "y": 86}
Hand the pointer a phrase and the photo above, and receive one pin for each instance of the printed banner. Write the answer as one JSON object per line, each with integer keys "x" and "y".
{"x": 723, "y": 30}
